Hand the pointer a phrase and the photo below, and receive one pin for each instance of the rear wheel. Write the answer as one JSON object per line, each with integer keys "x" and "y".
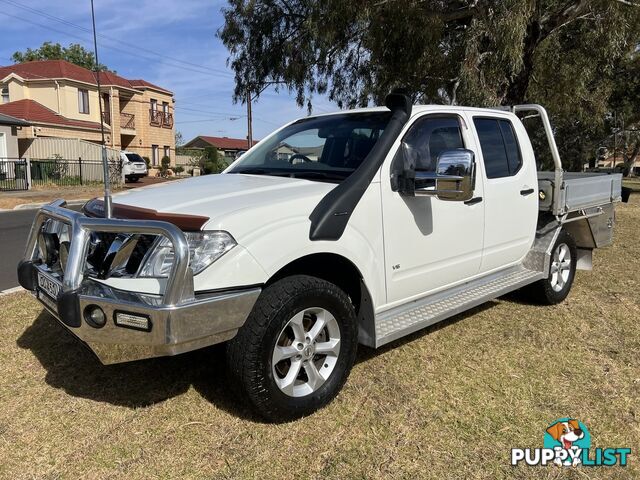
{"x": 555, "y": 288}
{"x": 296, "y": 349}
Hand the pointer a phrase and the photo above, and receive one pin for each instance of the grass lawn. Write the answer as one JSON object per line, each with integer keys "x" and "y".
{"x": 449, "y": 402}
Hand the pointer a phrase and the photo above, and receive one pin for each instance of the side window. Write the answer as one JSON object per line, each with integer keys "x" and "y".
{"x": 499, "y": 145}
{"x": 429, "y": 137}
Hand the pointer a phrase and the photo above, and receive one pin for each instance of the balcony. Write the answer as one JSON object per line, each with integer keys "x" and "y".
{"x": 155, "y": 118}
{"x": 158, "y": 118}
{"x": 127, "y": 121}
{"x": 167, "y": 120}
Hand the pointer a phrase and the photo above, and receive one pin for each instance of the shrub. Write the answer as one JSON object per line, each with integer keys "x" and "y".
{"x": 165, "y": 163}
{"x": 147, "y": 161}
{"x": 178, "y": 169}
{"x": 211, "y": 162}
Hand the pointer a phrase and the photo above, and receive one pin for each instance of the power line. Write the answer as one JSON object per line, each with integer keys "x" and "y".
{"x": 105, "y": 46}
{"x": 113, "y": 39}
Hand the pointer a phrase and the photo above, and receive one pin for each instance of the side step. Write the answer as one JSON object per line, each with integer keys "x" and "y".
{"x": 405, "y": 319}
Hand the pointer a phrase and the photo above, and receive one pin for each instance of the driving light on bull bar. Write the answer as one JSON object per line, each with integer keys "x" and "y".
{"x": 133, "y": 320}
{"x": 204, "y": 249}
{"x": 95, "y": 316}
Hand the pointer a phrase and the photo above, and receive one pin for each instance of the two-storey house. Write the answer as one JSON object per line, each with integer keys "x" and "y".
{"x": 60, "y": 99}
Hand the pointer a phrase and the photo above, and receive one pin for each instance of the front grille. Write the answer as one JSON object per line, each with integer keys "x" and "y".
{"x": 108, "y": 254}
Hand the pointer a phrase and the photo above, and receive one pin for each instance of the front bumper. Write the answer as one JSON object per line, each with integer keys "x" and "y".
{"x": 178, "y": 321}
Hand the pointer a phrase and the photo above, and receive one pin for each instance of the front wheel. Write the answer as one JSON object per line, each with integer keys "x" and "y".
{"x": 555, "y": 288}
{"x": 295, "y": 350}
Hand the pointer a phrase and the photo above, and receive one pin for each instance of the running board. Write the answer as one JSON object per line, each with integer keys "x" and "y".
{"x": 405, "y": 319}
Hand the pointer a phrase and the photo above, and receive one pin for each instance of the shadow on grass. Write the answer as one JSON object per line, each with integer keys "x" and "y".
{"x": 72, "y": 367}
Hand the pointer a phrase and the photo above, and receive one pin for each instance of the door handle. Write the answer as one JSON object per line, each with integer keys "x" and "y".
{"x": 526, "y": 192}
{"x": 473, "y": 201}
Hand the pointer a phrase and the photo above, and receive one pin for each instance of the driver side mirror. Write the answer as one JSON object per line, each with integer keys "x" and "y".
{"x": 453, "y": 179}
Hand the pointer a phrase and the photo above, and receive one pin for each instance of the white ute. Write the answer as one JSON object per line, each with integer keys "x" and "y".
{"x": 361, "y": 226}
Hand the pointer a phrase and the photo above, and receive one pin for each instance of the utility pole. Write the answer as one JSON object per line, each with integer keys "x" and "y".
{"x": 249, "y": 121}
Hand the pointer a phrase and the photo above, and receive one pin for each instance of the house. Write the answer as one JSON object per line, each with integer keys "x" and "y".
{"x": 229, "y": 146}
{"x": 60, "y": 99}
{"x": 9, "y": 127}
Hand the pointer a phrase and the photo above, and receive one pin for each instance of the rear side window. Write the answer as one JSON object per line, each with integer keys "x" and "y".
{"x": 499, "y": 145}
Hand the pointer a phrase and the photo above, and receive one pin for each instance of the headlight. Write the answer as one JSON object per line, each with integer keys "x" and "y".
{"x": 204, "y": 249}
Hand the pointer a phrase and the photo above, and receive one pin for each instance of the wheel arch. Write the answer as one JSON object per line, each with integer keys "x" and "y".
{"x": 343, "y": 273}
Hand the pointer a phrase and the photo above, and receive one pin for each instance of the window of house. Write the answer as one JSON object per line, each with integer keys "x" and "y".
{"x": 167, "y": 151}
{"x": 428, "y": 138}
{"x": 83, "y": 100}
{"x": 5, "y": 94}
{"x": 154, "y": 105}
{"x": 154, "y": 154}
{"x": 500, "y": 150}
{"x": 165, "y": 107}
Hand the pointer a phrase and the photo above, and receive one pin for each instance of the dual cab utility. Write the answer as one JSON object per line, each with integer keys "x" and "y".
{"x": 361, "y": 226}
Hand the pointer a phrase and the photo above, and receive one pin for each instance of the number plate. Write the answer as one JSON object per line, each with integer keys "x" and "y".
{"x": 48, "y": 290}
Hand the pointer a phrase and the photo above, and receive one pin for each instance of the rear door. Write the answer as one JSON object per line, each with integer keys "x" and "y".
{"x": 430, "y": 243}
{"x": 511, "y": 183}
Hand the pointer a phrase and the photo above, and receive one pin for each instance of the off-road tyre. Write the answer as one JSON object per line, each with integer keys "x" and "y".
{"x": 249, "y": 353}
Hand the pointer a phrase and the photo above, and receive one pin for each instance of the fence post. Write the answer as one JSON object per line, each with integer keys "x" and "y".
{"x": 80, "y": 165}
{"x": 27, "y": 167}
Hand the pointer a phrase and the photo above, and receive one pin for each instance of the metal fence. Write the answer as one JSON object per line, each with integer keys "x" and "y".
{"x": 67, "y": 172}
{"x": 13, "y": 174}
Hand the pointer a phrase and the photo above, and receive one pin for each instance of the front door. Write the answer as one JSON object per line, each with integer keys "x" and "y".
{"x": 430, "y": 243}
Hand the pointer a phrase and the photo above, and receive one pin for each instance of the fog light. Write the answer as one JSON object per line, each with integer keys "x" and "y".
{"x": 133, "y": 320}
{"x": 95, "y": 316}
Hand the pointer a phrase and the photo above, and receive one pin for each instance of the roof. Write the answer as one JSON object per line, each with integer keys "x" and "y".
{"x": 139, "y": 83}
{"x": 34, "y": 112}
{"x": 48, "y": 69}
{"x": 225, "y": 143}
{"x": 9, "y": 120}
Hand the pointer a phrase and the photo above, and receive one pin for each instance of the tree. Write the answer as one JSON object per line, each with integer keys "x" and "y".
{"x": 211, "y": 161}
{"x": 74, "y": 53}
{"x": 560, "y": 53}
{"x": 179, "y": 139}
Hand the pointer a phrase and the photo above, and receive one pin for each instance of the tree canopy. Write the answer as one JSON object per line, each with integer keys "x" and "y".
{"x": 564, "y": 54}
{"x": 74, "y": 53}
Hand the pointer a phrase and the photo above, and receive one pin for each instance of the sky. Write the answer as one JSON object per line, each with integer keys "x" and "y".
{"x": 171, "y": 43}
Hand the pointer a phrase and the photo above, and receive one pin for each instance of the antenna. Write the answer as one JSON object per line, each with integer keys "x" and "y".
{"x": 105, "y": 161}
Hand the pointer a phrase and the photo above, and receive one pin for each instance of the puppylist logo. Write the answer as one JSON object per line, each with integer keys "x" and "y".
{"x": 567, "y": 442}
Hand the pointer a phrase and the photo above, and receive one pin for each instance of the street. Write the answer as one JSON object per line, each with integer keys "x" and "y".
{"x": 14, "y": 229}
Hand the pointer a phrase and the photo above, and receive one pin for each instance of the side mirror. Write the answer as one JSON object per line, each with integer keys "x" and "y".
{"x": 455, "y": 175}
{"x": 453, "y": 179}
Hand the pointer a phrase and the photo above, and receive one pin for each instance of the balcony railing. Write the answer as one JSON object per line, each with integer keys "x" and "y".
{"x": 167, "y": 120}
{"x": 127, "y": 121}
{"x": 155, "y": 117}
{"x": 158, "y": 118}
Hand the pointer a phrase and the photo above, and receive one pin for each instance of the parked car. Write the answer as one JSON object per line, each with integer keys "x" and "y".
{"x": 133, "y": 166}
{"x": 408, "y": 215}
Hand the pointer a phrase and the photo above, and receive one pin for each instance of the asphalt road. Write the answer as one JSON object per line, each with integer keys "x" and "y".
{"x": 14, "y": 230}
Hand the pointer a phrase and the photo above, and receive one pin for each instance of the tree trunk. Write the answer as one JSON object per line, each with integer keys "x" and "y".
{"x": 516, "y": 92}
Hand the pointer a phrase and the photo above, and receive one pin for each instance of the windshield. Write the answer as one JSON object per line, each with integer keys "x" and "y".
{"x": 135, "y": 158}
{"x": 326, "y": 148}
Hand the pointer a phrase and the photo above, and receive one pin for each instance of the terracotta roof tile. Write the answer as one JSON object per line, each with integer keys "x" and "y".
{"x": 139, "y": 83}
{"x": 34, "y": 112}
{"x": 226, "y": 142}
{"x": 46, "y": 69}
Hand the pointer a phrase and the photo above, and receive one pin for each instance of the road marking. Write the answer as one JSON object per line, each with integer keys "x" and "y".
{"x": 10, "y": 291}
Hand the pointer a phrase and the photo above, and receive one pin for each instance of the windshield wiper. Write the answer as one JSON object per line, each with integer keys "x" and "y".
{"x": 316, "y": 174}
